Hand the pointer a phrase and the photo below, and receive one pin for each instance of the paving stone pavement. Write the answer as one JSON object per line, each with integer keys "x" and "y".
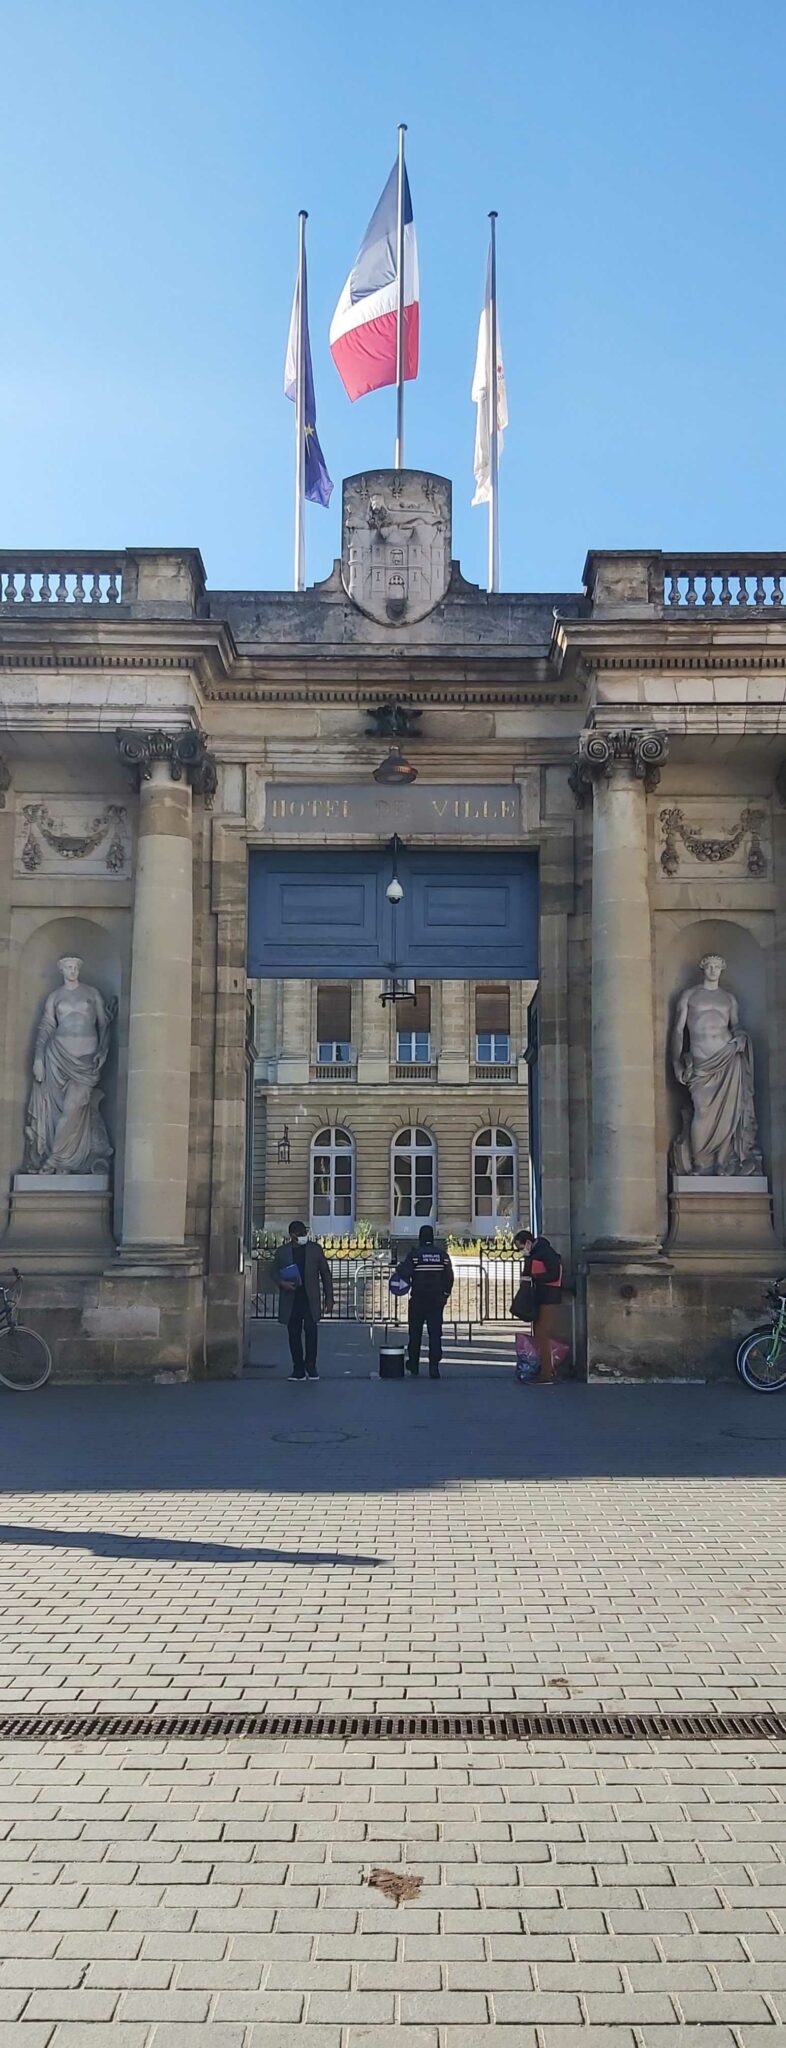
{"x": 162, "y": 1896}
{"x": 366, "y": 1544}
{"x": 354, "y": 1543}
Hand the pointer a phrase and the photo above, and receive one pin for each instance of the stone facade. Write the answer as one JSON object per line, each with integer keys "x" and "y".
{"x": 373, "y": 1095}
{"x": 146, "y": 726}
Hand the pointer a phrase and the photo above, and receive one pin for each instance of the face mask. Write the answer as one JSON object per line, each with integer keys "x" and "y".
{"x": 301, "y": 1240}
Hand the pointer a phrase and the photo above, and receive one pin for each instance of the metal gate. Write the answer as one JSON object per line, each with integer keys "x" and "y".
{"x": 484, "y": 1286}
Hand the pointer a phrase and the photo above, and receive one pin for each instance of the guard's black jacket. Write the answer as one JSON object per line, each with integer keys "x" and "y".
{"x": 429, "y": 1272}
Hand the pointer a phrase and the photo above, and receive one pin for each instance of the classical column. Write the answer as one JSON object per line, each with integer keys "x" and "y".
{"x": 159, "y": 1024}
{"x": 619, "y": 767}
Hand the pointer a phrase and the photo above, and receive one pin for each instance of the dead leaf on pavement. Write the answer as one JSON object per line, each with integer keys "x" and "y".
{"x": 396, "y": 1884}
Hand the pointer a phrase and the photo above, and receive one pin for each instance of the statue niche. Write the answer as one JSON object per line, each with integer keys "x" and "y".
{"x": 713, "y": 1059}
{"x": 64, "y": 1129}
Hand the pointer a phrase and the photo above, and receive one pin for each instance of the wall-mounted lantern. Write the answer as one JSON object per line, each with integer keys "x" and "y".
{"x": 395, "y": 768}
{"x": 283, "y": 1148}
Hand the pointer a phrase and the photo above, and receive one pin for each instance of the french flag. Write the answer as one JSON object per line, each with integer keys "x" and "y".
{"x": 363, "y": 328}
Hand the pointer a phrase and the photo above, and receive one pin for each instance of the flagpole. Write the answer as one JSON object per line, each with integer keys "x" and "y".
{"x": 300, "y": 422}
{"x": 493, "y": 575}
{"x": 399, "y": 459}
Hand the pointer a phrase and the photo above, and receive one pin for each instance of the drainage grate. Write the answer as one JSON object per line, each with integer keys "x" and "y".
{"x": 507, "y": 1727}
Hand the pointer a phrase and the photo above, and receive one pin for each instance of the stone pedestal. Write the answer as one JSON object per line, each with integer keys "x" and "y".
{"x": 60, "y": 1223}
{"x": 716, "y": 1218}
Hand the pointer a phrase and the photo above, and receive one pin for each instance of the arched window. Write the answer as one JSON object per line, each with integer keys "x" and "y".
{"x": 413, "y": 1179}
{"x": 493, "y": 1181}
{"x": 332, "y": 1181}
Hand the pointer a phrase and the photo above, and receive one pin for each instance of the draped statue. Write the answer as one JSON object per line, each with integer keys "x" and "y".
{"x": 719, "y": 1134}
{"x": 64, "y": 1129}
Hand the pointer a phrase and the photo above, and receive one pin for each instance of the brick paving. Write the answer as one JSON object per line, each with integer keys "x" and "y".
{"x": 472, "y": 1545}
{"x": 365, "y": 1545}
{"x": 591, "y": 1895}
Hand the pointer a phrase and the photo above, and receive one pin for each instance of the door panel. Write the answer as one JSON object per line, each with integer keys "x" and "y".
{"x": 313, "y": 914}
{"x": 326, "y": 915}
{"x": 470, "y": 915}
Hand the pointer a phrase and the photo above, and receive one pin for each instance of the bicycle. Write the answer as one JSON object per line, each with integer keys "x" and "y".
{"x": 25, "y": 1360}
{"x": 761, "y": 1357}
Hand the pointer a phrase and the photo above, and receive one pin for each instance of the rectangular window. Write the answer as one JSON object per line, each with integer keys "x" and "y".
{"x": 334, "y": 1023}
{"x": 413, "y": 1029}
{"x": 492, "y": 1026}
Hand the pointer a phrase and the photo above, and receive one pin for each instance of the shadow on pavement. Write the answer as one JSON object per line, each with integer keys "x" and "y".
{"x": 349, "y": 1434}
{"x": 109, "y": 1543}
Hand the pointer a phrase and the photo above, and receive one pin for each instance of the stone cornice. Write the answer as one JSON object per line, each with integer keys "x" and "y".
{"x": 281, "y": 674}
{"x": 654, "y": 640}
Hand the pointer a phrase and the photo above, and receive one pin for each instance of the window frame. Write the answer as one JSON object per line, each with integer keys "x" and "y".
{"x": 413, "y": 1058}
{"x": 492, "y": 1153}
{"x": 408, "y": 1226}
{"x": 331, "y": 990}
{"x": 495, "y": 1057}
{"x": 332, "y": 1223}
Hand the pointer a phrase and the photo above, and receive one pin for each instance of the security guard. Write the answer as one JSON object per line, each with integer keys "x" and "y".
{"x": 429, "y": 1273}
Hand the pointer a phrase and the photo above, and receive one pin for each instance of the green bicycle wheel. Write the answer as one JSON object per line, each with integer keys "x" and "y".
{"x": 761, "y": 1362}
{"x": 25, "y": 1360}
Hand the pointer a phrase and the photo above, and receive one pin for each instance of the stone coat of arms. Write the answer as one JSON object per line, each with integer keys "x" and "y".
{"x": 396, "y": 543}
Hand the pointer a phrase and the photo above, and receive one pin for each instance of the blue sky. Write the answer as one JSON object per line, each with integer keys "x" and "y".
{"x": 153, "y": 156}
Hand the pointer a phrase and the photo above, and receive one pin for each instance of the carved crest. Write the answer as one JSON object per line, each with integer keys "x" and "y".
{"x": 396, "y": 543}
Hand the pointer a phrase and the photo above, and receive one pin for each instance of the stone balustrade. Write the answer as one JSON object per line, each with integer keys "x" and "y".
{"x": 148, "y": 582}
{"x": 725, "y": 580}
{"x": 60, "y": 577}
{"x": 657, "y": 583}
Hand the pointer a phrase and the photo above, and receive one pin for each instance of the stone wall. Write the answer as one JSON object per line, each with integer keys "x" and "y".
{"x": 373, "y": 1116}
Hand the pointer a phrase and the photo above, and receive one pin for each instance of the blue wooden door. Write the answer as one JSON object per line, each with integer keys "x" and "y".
{"x": 326, "y": 915}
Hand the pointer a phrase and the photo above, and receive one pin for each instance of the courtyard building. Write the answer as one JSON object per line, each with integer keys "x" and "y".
{"x": 386, "y": 901}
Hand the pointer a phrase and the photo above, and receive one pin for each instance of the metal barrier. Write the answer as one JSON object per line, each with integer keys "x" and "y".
{"x": 484, "y": 1285}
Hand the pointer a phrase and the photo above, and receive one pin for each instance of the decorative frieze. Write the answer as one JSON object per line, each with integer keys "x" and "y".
{"x": 640, "y": 747}
{"x": 186, "y": 753}
{"x": 55, "y": 832}
{"x": 679, "y": 829}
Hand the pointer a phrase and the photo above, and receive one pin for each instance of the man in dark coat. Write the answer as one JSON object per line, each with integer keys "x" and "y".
{"x": 542, "y": 1266}
{"x": 430, "y": 1275}
{"x": 304, "y": 1280}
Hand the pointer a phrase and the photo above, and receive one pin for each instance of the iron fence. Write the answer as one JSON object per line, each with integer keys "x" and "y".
{"x": 484, "y": 1285}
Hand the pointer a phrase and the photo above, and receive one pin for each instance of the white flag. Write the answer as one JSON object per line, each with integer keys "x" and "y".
{"x": 481, "y": 385}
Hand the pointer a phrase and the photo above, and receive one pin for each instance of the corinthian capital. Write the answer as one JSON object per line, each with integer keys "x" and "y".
{"x": 638, "y": 747}
{"x": 186, "y": 752}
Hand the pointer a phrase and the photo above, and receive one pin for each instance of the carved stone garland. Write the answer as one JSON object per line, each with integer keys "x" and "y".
{"x": 675, "y": 826}
{"x": 599, "y": 753}
{"x": 72, "y": 845}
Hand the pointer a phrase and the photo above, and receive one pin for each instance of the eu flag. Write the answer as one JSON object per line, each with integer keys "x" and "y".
{"x": 318, "y": 487}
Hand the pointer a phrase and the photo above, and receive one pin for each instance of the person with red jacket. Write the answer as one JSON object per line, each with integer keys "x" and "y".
{"x": 541, "y": 1265}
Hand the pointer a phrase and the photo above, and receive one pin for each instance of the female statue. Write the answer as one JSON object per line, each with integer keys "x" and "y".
{"x": 717, "y": 1067}
{"x": 64, "y": 1129}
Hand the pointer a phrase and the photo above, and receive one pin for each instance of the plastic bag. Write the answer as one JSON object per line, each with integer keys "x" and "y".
{"x": 527, "y": 1356}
